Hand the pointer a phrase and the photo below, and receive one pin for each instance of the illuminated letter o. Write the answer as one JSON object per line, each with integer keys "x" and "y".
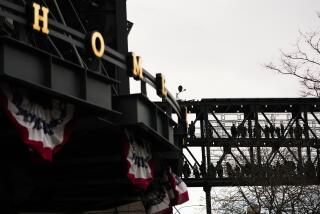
{"x": 94, "y": 37}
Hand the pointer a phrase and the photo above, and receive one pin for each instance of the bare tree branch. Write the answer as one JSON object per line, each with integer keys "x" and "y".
{"x": 303, "y": 63}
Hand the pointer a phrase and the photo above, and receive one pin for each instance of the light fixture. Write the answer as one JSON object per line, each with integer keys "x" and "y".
{"x": 180, "y": 90}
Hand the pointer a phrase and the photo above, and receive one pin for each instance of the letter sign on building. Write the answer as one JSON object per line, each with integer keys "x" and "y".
{"x": 161, "y": 85}
{"x": 96, "y": 45}
{"x": 97, "y": 37}
{"x": 135, "y": 66}
{"x": 37, "y": 18}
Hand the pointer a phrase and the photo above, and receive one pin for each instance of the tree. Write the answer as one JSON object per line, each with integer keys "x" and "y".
{"x": 268, "y": 199}
{"x": 271, "y": 196}
{"x": 303, "y": 62}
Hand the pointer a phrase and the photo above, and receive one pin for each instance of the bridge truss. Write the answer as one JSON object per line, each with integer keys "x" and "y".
{"x": 252, "y": 142}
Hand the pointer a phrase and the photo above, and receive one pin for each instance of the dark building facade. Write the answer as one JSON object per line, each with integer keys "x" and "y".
{"x": 73, "y": 53}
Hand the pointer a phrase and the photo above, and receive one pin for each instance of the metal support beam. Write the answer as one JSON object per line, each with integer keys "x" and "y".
{"x": 203, "y": 171}
{"x": 241, "y": 153}
{"x": 195, "y": 160}
{"x": 267, "y": 119}
{"x": 221, "y": 158}
{"x": 300, "y": 155}
{"x": 207, "y": 190}
{"x": 215, "y": 131}
{"x": 122, "y": 43}
{"x": 288, "y": 125}
{"x": 256, "y": 123}
{"x": 271, "y": 156}
{"x": 281, "y": 155}
{"x": 306, "y": 126}
{"x": 82, "y": 64}
{"x": 220, "y": 124}
{"x": 236, "y": 160}
{"x": 206, "y": 123}
{"x": 143, "y": 88}
{"x": 315, "y": 117}
{"x": 186, "y": 159}
{"x": 251, "y": 148}
{"x": 305, "y": 120}
{"x": 292, "y": 153}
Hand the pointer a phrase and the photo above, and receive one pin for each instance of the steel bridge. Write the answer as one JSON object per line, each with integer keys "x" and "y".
{"x": 251, "y": 142}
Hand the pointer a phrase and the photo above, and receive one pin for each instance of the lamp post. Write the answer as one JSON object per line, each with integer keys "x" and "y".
{"x": 180, "y": 89}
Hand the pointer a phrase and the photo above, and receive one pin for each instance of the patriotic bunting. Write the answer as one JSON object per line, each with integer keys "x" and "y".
{"x": 179, "y": 188}
{"x": 138, "y": 160}
{"x": 164, "y": 193}
{"x": 43, "y": 129}
{"x": 156, "y": 200}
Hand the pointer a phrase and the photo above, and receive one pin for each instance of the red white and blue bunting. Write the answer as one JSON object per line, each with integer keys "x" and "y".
{"x": 179, "y": 188}
{"x": 165, "y": 193}
{"x": 138, "y": 161}
{"x": 157, "y": 200}
{"x": 43, "y": 129}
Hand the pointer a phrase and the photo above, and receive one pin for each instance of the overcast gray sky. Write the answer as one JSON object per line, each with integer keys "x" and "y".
{"x": 216, "y": 48}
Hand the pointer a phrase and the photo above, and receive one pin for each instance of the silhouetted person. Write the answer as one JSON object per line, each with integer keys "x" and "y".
{"x": 266, "y": 131}
{"x": 250, "y": 130}
{"x": 229, "y": 170}
{"x": 278, "y": 169}
{"x": 310, "y": 169}
{"x": 192, "y": 130}
{"x": 291, "y": 168}
{"x": 286, "y": 169}
{"x": 257, "y": 131}
{"x": 298, "y": 131}
{"x": 272, "y": 129}
{"x": 237, "y": 171}
{"x": 186, "y": 170}
{"x": 247, "y": 170}
{"x": 300, "y": 168}
{"x": 233, "y": 131}
{"x": 290, "y": 131}
{"x": 196, "y": 172}
{"x": 263, "y": 170}
{"x": 255, "y": 170}
{"x": 239, "y": 130}
{"x": 278, "y": 132}
{"x": 282, "y": 129}
{"x": 219, "y": 170}
{"x": 244, "y": 132}
{"x": 202, "y": 169}
{"x": 212, "y": 171}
